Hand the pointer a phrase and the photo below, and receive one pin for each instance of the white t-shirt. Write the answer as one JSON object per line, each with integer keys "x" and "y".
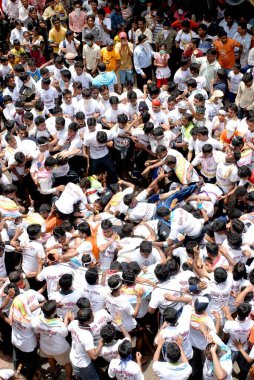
{"x": 101, "y": 318}
{"x": 170, "y": 333}
{"x": 120, "y": 305}
{"x": 165, "y": 371}
{"x": 165, "y": 140}
{"x": 88, "y": 106}
{"x": 48, "y": 96}
{"x": 219, "y": 293}
{"x": 159, "y": 301}
{"x": 52, "y": 335}
{"x": 82, "y": 341}
{"x": 23, "y": 336}
{"x": 110, "y": 351}
{"x": 127, "y": 371}
{"x": 30, "y": 252}
{"x": 226, "y": 176}
{"x": 234, "y": 80}
{"x": 96, "y": 295}
{"x": 153, "y": 258}
{"x": 71, "y": 195}
{"x": 185, "y": 223}
{"x": 52, "y": 274}
{"x": 181, "y": 77}
{"x": 67, "y": 302}
{"x": 238, "y": 330}
{"x": 97, "y": 150}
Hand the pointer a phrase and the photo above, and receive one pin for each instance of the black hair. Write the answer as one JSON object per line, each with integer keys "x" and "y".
{"x": 170, "y": 315}
{"x": 161, "y": 272}
{"x": 108, "y": 333}
{"x": 220, "y": 275}
{"x": 84, "y": 228}
{"x": 101, "y": 137}
{"x": 48, "y": 308}
{"x": 243, "y": 310}
{"x": 146, "y": 246}
{"x": 83, "y": 303}
{"x": 125, "y": 349}
{"x": 207, "y": 148}
{"x": 33, "y": 230}
{"x": 92, "y": 276}
{"x": 65, "y": 281}
{"x": 173, "y": 352}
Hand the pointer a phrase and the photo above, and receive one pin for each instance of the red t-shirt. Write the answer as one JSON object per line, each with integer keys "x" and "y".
{"x": 178, "y": 24}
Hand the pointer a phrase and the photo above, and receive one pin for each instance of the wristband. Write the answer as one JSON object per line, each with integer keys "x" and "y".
{"x": 165, "y": 244}
{"x": 200, "y": 206}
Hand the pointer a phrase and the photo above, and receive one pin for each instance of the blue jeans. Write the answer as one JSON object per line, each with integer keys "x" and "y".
{"x": 126, "y": 75}
{"x": 87, "y": 373}
{"x": 179, "y": 195}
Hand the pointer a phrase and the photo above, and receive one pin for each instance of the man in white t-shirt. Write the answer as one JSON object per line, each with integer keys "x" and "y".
{"x": 130, "y": 370}
{"x": 92, "y": 290}
{"x": 147, "y": 255}
{"x": 83, "y": 350}
{"x": 52, "y": 273}
{"x": 47, "y": 94}
{"x": 238, "y": 330}
{"x": 97, "y": 152}
{"x": 176, "y": 366}
{"x": 52, "y": 332}
{"x": 32, "y": 250}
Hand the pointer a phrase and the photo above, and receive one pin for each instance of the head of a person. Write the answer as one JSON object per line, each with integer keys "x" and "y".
{"x": 211, "y": 55}
{"x": 108, "y": 333}
{"x": 89, "y": 39}
{"x": 146, "y": 248}
{"x": 247, "y": 79}
{"x": 92, "y": 276}
{"x": 170, "y": 315}
{"x": 85, "y": 316}
{"x": 202, "y": 133}
{"x": 90, "y": 21}
{"x": 107, "y": 228}
{"x": 34, "y": 231}
{"x": 142, "y": 39}
{"x": 115, "y": 283}
{"x": 220, "y": 275}
{"x": 49, "y": 309}
{"x": 130, "y": 200}
{"x": 207, "y": 151}
{"x": 186, "y": 119}
{"x": 65, "y": 282}
{"x": 186, "y": 26}
{"x": 59, "y": 234}
{"x": 110, "y": 45}
{"x": 56, "y": 22}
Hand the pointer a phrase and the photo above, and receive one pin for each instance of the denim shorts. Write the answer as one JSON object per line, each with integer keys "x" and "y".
{"x": 126, "y": 75}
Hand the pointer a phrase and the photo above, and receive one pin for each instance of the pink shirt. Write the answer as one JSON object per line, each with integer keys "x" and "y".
{"x": 77, "y": 22}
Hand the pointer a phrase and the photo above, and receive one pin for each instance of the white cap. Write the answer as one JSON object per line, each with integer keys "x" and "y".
{"x": 182, "y": 105}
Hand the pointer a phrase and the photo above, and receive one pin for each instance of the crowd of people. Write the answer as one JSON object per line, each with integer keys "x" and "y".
{"x": 126, "y": 189}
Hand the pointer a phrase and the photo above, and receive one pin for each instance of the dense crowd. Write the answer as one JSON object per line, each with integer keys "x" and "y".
{"x": 126, "y": 189}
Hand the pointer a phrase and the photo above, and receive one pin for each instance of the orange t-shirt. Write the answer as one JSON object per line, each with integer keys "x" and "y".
{"x": 226, "y": 52}
{"x": 52, "y": 223}
{"x": 225, "y": 139}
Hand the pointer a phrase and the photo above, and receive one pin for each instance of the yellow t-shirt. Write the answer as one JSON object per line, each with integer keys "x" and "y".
{"x": 110, "y": 58}
{"x": 57, "y": 37}
{"x": 17, "y": 54}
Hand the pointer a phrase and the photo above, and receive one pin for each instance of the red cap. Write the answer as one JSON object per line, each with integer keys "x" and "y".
{"x": 156, "y": 103}
{"x": 122, "y": 35}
